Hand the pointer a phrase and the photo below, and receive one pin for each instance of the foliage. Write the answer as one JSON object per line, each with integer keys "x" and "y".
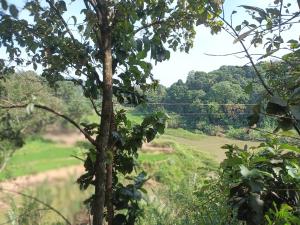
{"x": 260, "y": 177}
{"x": 284, "y": 104}
{"x": 28, "y": 87}
{"x": 110, "y": 35}
{"x": 284, "y": 215}
{"x": 190, "y": 204}
{"x": 183, "y": 193}
{"x": 10, "y": 139}
{"x": 75, "y": 104}
{"x": 27, "y": 211}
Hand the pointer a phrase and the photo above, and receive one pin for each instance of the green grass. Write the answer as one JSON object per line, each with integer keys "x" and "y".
{"x": 183, "y": 134}
{"x": 135, "y": 119}
{"x": 149, "y": 157}
{"x": 38, "y": 155}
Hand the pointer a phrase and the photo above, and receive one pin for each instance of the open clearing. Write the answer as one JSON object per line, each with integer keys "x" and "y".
{"x": 39, "y": 155}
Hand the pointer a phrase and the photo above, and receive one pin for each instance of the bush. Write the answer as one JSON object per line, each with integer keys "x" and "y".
{"x": 237, "y": 133}
{"x": 262, "y": 179}
{"x": 192, "y": 204}
{"x": 175, "y": 121}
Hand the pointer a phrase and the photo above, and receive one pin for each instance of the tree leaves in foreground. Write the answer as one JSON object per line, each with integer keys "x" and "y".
{"x": 262, "y": 180}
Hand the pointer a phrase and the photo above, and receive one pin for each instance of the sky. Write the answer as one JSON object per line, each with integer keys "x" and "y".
{"x": 180, "y": 63}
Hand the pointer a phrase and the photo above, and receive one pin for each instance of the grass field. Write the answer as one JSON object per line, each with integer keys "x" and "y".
{"x": 39, "y": 155}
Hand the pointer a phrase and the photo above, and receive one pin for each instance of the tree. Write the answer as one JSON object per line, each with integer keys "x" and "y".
{"x": 115, "y": 39}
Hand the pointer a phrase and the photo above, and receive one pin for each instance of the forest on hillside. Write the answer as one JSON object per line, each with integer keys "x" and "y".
{"x": 219, "y": 102}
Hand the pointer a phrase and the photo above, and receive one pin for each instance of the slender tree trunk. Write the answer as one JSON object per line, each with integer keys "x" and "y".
{"x": 109, "y": 174}
{"x": 106, "y": 114}
{"x": 109, "y": 194}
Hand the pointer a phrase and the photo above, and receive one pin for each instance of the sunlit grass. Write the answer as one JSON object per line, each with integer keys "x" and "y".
{"x": 38, "y": 155}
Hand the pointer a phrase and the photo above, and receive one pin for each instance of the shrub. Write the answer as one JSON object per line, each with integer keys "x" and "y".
{"x": 262, "y": 178}
{"x": 193, "y": 202}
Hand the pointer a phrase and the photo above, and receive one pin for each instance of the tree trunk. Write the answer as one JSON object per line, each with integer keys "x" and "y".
{"x": 103, "y": 139}
{"x": 109, "y": 194}
{"x": 109, "y": 174}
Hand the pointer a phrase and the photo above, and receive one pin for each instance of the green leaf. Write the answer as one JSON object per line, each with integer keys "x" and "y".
{"x": 243, "y": 36}
{"x": 260, "y": 11}
{"x": 4, "y": 4}
{"x": 119, "y": 219}
{"x": 295, "y": 97}
{"x": 285, "y": 124}
{"x": 62, "y": 5}
{"x": 293, "y": 171}
{"x": 245, "y": 171}
{"x": 276, "y": 106}
{"x": 30, "y": 108}
{"x": 295, "y": 110}
{"x": 80, "y": 28}
{"x": 34, "y": 66}
{"x": 279, "y": 101}
{"x": 74, "y": 19}
{"x": 238, "y": 27}
{"x": 290, "y": 148}
{"x": 13, "y": 11}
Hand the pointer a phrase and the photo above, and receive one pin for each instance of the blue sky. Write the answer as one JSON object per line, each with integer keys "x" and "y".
{"x": 181, "y": 64}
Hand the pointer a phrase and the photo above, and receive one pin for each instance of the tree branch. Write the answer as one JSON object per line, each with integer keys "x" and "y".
{"x": 87, "y": 136}
{"x": 62, "y": 20}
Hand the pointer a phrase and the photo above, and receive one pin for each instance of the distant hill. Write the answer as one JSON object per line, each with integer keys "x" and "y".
{"x": 209, "y": 102}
